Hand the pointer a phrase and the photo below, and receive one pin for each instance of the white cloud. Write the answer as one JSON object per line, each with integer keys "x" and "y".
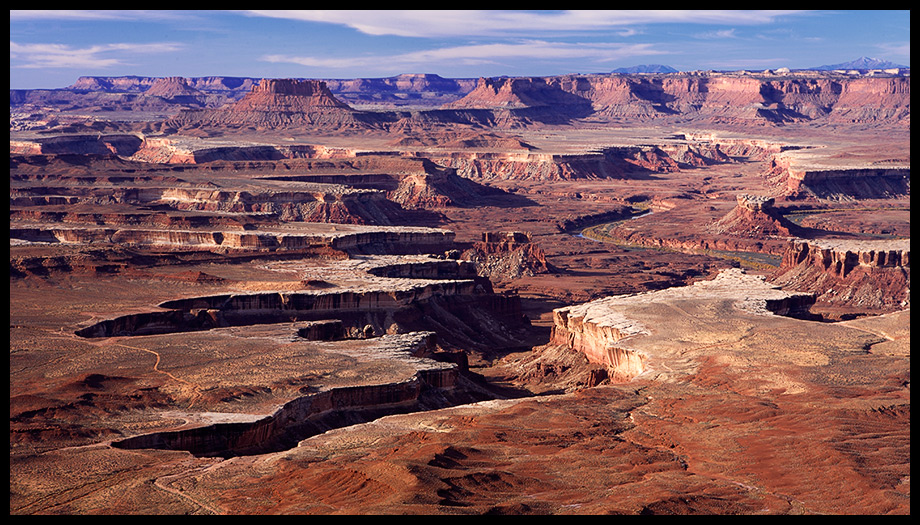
{"x": 900, "y": 49}
{"x": 722, "y": 33}
{"x": 98, "y": 56}
{"x": 454, "y": 23}
{"x": 481, "y": 53}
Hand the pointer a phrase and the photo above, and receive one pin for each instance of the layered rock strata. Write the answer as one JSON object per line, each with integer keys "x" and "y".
{"x": 798, "y": 180}
{"x": 353, "y": 239}
{"x": 277, "y": 104}
{"x": 718, "y": 98}
{"x": 733, "y": 99}
{"x": 317, "y": 412}
{"x": 608, "y": 331}
{"x": 204, "y": 313}
{"x": 100, "y": 144}
{"x": 863, "y": 275}
{"x": 377, "y": 189}
{"x": 754, "y": 217}
{"x": 176, "y": 90}
{"x": 367, "y": 296}
{"x": 507, "y": 255}
{"x": 613, "y": 162}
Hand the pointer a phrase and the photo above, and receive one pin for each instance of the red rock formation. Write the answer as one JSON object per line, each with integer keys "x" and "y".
{"x": 725, "y": 98}
{"x": 322, "y": 330}
{"x": 754, "y": 217}
{"x": 867, "y": 276}
{"x": 171, "y": 88}
{"x": 520, "y": 92}
{"x": 733, "y": 99}
{"x": 507, "y": 255}
{"x": 352, "y": 239}
{"x": 462, "y": 139}
{"x": 286, "y": 95}
{"x": 596, "y": 335}
{"x": 603, "y": 329}
{"x": 106, "y": 145}
{"x": 276, "y": 104}
{"x": 845, "y": 183}
{"x": 316, "y": 412}
{"x": 615, "y": 162}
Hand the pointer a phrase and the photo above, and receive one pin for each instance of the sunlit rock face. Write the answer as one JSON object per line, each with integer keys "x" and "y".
{"x": 604, "y": 329}
{"x": 866, "y": 274}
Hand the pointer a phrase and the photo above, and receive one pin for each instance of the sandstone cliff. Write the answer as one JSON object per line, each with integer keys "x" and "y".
{"x": 754, "y": 217}
{"x": 277, "y": 104}
{"x": 175, "y": 89}
{"x": 320, "y": 411}
{"x": 524, "y": 93}
{"x": 725, "y": 98}
{"x": 860, "y": 276}
{"x": 613, "y": 162}
{"x": 370, "y": 296}
{"x": 507, "y": 255}
{"x": 604, "y": 330}
{"x": 798, "y": 180}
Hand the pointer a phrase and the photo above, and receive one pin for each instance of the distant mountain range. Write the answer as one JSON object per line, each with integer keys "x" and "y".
{"x": 862, "y": 63}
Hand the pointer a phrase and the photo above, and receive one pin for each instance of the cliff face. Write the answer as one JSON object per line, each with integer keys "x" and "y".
{"x": 615, "y": 162}
{"x": 203, "y": 313}
{"x": 507, "y": 255}
{"x": 521, "y": 92}
{"x": 286, "y": 95}
{"x": 175, "y": 89}
{"x": 323, "y": 203}
{"x": 733, "y": 99}
{"x": 318, "y": 412}
{"x": 440, "y": 295}
{"x": 754, "y": 217}
{"x": 869, "y": 275}
{"x": 607, "y": 330}
{"x": 103, "y": 145}
{"x": 338, "y": 205}
{"x": 718, "y": 98}
{"x": 277, "y": 104}
{"x": 596, "y": 336}
{"x": 375, "y": 240}
{"x": 802, "y": 182}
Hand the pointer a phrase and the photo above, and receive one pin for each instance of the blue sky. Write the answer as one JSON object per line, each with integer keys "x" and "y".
{"x": 50, "y": 49}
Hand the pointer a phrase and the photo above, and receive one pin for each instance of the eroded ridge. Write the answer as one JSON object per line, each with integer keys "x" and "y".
{"x": 867, "y": 275}
{"x": 609, "y": 331}
{"x": 327, "y": 408}
{"x": 372, "y": 311}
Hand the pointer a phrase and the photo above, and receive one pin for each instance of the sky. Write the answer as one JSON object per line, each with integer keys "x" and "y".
{"x": 51, "y": 49}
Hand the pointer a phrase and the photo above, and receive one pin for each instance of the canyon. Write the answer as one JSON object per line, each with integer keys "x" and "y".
{"x": 658, "y": 293}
